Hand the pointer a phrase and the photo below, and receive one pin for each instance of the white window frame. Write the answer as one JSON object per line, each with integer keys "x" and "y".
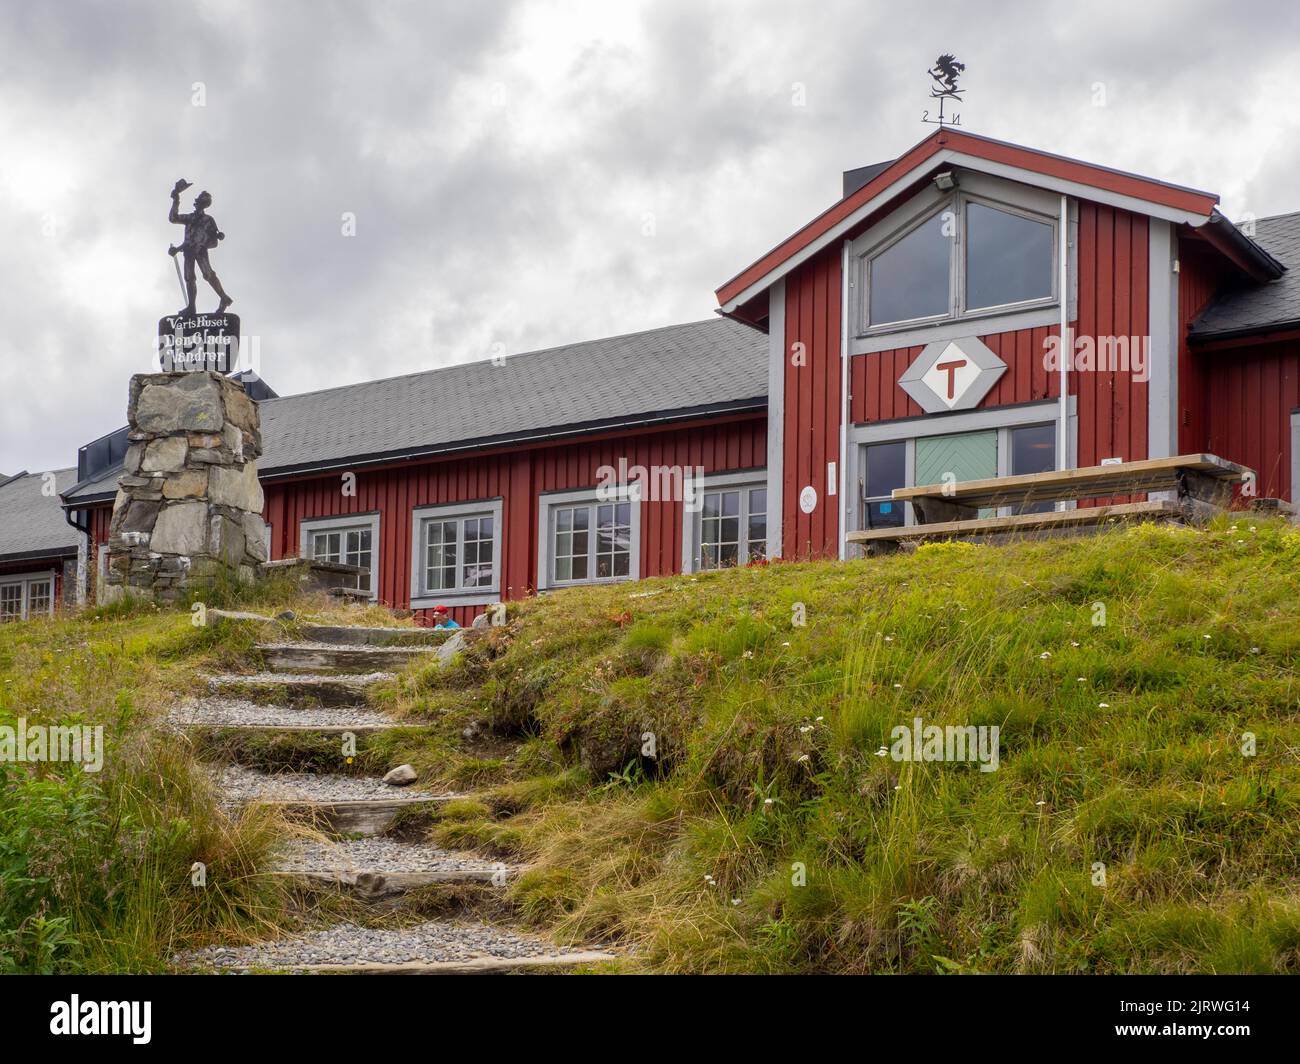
{"x": 345, "y": 523}
{"x": 1005, "y": 195}
{"x": 692, "y": 516}
{"x": 25, "y": 581}
{"x": 548, "y": 503}
{"x": 422, "y": 598}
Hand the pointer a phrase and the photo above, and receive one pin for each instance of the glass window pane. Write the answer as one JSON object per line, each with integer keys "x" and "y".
{"x": 886, "y": 466}
{"x": 910, "y": 278}
{"x": 563, "y": 569}
{"x": 730, "y": 503}
{"x": 580, "y": 567}
{"x": 38, "y": 598}
{"x": 1008, "y": 257}
{"x": 11, "y": 602}
{"x": 1033, "y": 450}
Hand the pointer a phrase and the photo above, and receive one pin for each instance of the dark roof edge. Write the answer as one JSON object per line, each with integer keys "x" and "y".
{"x": 26, "y": 555}
{"x": 1265, "y": 266}
{"x": 1262, "y": 331}
{"x": 10, "y": 479}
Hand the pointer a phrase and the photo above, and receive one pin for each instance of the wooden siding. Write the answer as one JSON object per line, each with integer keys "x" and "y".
{"x": 812, "y": 406}
{"x": 1249, "y": 395}
{"x": 517, "y": 477}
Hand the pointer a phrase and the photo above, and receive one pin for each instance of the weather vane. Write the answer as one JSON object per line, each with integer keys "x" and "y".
{"x": 944, "y": 74}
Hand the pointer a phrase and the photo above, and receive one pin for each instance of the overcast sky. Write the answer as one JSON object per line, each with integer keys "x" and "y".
{"x": 530, "y": 173}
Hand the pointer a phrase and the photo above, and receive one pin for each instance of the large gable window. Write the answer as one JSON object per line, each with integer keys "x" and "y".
{"x": 910, "y": 278}
{"x": 964, "y": 257}
{"x": 1008, "y": 257}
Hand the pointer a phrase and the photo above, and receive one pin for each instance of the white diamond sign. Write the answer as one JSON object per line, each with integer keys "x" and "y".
{"x": 952, "y": 375}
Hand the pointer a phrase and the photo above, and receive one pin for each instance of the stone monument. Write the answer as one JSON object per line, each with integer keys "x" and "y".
{"x": 189, "y": 505}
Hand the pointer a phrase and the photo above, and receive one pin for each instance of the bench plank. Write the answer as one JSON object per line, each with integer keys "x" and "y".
{"x": 1093, "y": 515}
{"x": 1126, "y": 478}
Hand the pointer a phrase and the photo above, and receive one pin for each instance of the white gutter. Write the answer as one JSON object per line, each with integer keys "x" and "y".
{"x": 1067, "y": 348}
{"x": 842, "y": 472}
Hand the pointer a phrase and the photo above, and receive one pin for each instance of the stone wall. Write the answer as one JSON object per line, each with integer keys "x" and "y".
{"x": 189, "y": 504}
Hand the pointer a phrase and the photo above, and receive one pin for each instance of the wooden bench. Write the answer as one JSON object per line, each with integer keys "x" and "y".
{"x": 1200, "y": 483}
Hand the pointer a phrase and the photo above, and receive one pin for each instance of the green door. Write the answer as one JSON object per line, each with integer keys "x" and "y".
{"x": 966, "y": 456}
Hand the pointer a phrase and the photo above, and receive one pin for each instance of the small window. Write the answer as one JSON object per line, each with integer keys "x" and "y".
{"x": 581, "y": 556}
{"x": 24, "y": 597}
{"x": 456, "y": 557}
{"x": 350, "y": 547}
{"x": 347, "y": 541}
{"x": 40, "y": 597}
{"x": 1008, "y": 258}
{"x": 910, "y": 279}
{"x": 885, "y": 466}
{"x": 588, "y": 539}
{"x": 730, "y": 527}
{"x": 459, "y": 553}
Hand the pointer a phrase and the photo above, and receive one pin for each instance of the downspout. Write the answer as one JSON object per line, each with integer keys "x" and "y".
{"x": 841, "y": 473}
{"x": 1067, "y": 348}
{"x": 84, "y": 550}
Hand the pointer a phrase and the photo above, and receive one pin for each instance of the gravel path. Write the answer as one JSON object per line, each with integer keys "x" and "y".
{"x": 240, "y": 784}
{"x": 349, "y": 944}
{"x": 377, "y": 855}
{"x": 230, "y": 712}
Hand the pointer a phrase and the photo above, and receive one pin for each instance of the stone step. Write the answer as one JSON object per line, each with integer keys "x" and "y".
{"x": 296, "y": 689}
{"x": 355, "y": 635}
{"x": 431, "y": 948}
{"x": 333, "y": 658}
{"x": 377, "y": 867}
{"x": 344, "y": 805}
{"x": 231, "y": 713}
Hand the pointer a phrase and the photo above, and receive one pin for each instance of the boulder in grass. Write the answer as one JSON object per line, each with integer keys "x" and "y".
{"x": 401, "y": 776}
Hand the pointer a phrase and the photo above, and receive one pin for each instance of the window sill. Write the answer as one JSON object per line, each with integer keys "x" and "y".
{"x": 915, "y": 334}
{"x": 477, "y": 597}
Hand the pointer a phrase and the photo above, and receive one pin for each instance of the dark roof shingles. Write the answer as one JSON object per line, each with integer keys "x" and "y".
{"x": 31, "y": 521}
{"x": 697, "y": 365}
{"x": 1266, "y": 305}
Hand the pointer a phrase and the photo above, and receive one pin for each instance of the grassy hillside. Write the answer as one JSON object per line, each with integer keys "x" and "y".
{"x": 767, "y": 833}
{"x": 1121, "y": 744}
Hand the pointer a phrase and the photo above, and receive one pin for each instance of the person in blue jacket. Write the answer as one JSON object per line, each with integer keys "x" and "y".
{"x": 442, "y": 618}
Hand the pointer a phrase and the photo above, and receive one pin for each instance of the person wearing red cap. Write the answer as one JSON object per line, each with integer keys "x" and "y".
{"x": 442, "y": 618}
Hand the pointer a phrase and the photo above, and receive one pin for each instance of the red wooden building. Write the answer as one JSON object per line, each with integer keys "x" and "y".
{"x": 38, "y": 548}
{"x": 471, "y": 484}
{"x": 911, "y": 331}
{"x": 914, "y": 332}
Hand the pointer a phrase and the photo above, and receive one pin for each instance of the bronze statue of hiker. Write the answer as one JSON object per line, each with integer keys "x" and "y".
{"x": 201, "y": 236}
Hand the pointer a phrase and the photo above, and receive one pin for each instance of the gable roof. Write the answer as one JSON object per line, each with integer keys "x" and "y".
{"x": 948, "y": 146}
{"x": 703, "y": 367}
{"x": 32, "y": 523}
{"x": 1272, "y": 305}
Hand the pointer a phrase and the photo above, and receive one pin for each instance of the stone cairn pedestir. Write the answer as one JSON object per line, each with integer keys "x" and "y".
{"x": 189, "y": 505}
